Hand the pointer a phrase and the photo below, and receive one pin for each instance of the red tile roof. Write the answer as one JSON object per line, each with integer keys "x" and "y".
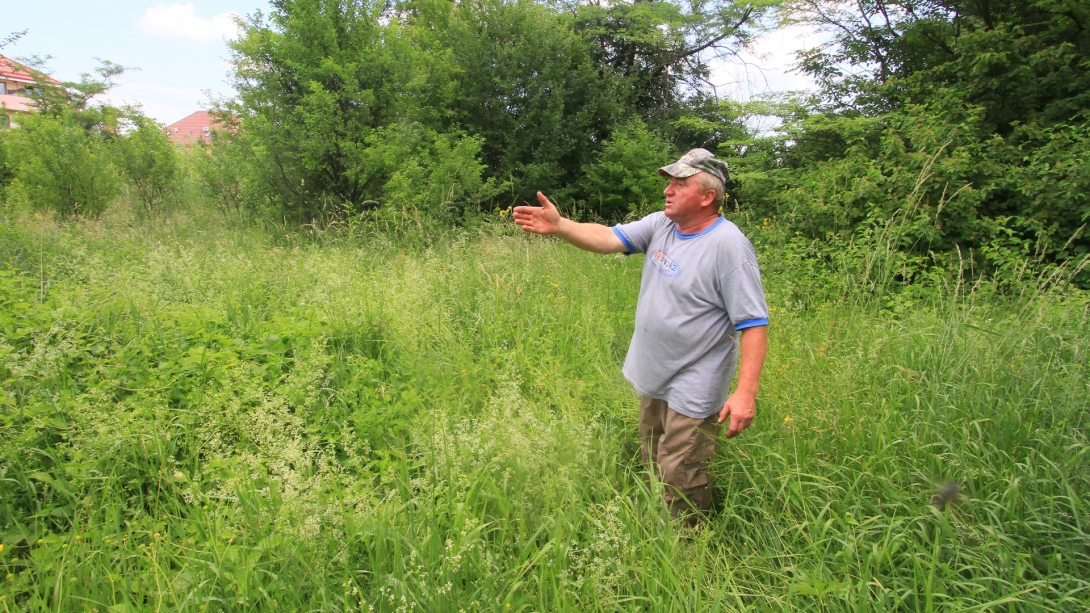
{"x": 192, "y": 129}
{"x": 14, "y": 71}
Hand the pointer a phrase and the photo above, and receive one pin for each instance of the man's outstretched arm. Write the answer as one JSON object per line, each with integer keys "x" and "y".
{"x": 741, "y": 406}
{"x": 545, "y": 219}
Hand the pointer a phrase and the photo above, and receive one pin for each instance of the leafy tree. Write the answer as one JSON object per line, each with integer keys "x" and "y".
{"x": 62, "y": 166}
{"x": 660, "y": 49}
{"x": 72, "y": 100}
{"x": 624, "y": 177}
{"x": 62, "y": 157}
{"x": 924, "y": 100}
{"x": 529, "y": 88}
{"x": 324, "y": 86}
{"x": 148, "y": 163}
{"x": 225, "y": 176}
{"x": 316, "y": 79}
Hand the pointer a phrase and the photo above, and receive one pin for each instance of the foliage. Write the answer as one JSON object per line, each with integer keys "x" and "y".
{"x": 149, "y": 164}
{"x": 7, "y": 165}
{"x": 62, "y": 166}
{"x": 11, "y": 38}
{"x": 313, "y": 87}
{"x": 71, "y": 101}
{"x": 220, "y": 174}
{"x": 72, "y": 156}
{"x": 443, "y": 178}
{"x": 968, "y": 118}
{"x": 624, "y": 179}
{"x": 659, "y": 50}
{"x": 528, "y": 87}
{"x": 539, "y": 87}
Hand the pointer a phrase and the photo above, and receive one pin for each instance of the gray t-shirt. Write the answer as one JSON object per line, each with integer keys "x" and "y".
{"x": 697, "y": 291}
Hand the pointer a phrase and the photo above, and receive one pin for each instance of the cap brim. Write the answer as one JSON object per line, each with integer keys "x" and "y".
{"x": 679, "y": 170}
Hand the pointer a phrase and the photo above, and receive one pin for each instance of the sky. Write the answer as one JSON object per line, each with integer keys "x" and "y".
{"x": 177, "y": 55}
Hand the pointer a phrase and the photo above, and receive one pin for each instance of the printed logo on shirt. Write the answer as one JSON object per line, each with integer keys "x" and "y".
{"x": 664, "y": 264}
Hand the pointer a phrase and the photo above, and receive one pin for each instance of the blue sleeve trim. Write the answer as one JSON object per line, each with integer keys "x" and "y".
{"x": 751, "y": 323}
{"x": 624, "y": 239}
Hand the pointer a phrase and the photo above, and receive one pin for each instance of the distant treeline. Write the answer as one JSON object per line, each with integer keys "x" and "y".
{"x": 950, "y": 128}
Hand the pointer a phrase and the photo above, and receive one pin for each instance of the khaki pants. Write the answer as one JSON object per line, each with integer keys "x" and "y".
{"x": 678, "y": 449}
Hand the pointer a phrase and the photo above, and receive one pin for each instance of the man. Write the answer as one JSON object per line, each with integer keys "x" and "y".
{"x": 700, "y": 287}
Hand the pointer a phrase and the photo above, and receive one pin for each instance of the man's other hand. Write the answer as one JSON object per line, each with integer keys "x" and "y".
{"x": 740, "y": 408}
{"x": 544, "y": 219}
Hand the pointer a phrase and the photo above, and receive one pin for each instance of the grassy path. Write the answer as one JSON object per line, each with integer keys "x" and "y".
{"x": 198, "y": 419}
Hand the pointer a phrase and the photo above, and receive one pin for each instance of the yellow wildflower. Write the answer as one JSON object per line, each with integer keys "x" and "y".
{"x": 787, "y": 419}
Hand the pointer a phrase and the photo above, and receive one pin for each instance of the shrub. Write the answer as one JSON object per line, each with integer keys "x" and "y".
{"x": 443, "y": 178}
{"x": 7, "y": 167}
{"x": 62, "y": 166}
{"x": 624, "y": 178}
{"x": 149, "y": 164}
{"x": 219, "y": 174}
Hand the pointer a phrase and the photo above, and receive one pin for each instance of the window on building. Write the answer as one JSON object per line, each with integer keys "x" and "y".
{"x": 3, "y": 88}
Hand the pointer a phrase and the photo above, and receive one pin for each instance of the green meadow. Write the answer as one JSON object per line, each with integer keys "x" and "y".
{"x": 200, "y": 417}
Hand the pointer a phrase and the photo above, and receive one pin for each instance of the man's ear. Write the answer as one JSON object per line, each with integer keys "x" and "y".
{"x": 709, "y": 198}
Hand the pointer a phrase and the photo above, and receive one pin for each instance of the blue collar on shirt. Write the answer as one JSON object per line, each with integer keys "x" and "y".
{"x": 700, "y": 233}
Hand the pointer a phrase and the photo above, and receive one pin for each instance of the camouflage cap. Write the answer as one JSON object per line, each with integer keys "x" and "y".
{"x": 697, "y": 160}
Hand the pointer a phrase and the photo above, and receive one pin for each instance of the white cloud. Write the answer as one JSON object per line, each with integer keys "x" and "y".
{"x": 767, "y": 64}
{"x": 181, "y": 21}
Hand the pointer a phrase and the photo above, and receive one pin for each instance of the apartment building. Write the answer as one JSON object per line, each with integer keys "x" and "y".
{"x": 17, "y": 88}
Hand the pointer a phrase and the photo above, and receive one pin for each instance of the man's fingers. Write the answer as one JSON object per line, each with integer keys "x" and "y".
{"x": 545, "y": 204}
{"x": 737, "y": 424}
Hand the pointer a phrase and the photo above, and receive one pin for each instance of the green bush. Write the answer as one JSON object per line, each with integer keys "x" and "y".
{"x": 624, "y": 179}
{"x": 220, "y": 177}
{"x": 443, "y": 178}
{"x": 63, "y": 167}
{"x": 967, "y": 130}
{"x": 7, "y": 167}
{"x": 149, "y": 165}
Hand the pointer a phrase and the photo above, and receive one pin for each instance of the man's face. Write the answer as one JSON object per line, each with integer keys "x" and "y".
{"x": 685, "y": 198}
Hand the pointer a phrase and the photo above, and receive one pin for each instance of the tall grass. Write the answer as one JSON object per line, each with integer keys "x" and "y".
{"x": 202, "y": 418}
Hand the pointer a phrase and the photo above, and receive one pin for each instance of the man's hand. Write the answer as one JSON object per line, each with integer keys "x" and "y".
{"x": 544, "y": 219}
{"x": 740, "y": 407}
